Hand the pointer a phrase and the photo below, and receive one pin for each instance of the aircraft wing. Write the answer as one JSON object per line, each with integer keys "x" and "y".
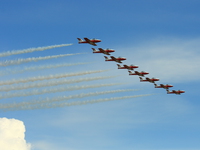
{"x": 148, "y": 79}
{"x": 175, "y": 91}
{"x": 101, "y": 50}
{"x": 162, "y": 85}
{"x": 118, "y": 61}
{"x": 136, "y": 72}
{"x": 90, "y": 42}
{"x": 127, "y": 67}
{"x": 113, "y": 58}
{"x": 87, "y": 40}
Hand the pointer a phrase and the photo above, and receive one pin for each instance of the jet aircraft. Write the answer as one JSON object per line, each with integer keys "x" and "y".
{"x": 112, "y": 58}
{"x": 175, "y": 92}
{"x": 131, "y": 67}
{"x": 167, "y": 86}
{"x": 152, "y": 80}
{"x": 138, "y": 73}
{"x": 89, "y": 41}
{"x": 104, "y": 51}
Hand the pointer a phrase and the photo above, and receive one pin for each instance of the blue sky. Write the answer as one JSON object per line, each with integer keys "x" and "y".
{"x": 161, "y": 37}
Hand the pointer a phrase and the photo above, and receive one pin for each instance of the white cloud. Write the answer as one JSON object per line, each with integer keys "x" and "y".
{"x": 12, "y": 135}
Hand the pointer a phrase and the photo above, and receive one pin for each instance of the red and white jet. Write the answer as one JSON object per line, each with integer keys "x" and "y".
{"x": 152, "y": 80}
{"x": 167, "y": 86}
{"x": 104, "y": 51}
{"x": 138, "y": 73}
{"x": 175, "y": 92}
{"x": 131, "y": 67}
{"x": 112, "y": 58}
{"x": 89, "y": 41}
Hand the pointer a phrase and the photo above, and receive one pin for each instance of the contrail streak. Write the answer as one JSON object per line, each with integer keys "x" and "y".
{"x": 30, "y": 50}
{"x": 92, "y": 101}
{"x": 64, "y": 104}
{"x": 26, "y": 60}
{"x": 61, "y": 98}
{"x": 53, "y": 90}
{"x": 32, "y": 79}
{"x": 51, "y": 83}
{"x": 41, "y": 67}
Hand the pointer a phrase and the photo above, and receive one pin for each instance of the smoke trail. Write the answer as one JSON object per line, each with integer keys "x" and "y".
{"x": 53, "y": 90}
{"x": 26, "y": 60}
{"x": 32, "y": 79}
{"x": 30, "y": 50}
{"x": 55, "y": 105}
{"x": 51, "y": 83}
{"x": 92, "y": 101}
{"x": 41, "y": 67}
{"x": 61, "y": 98}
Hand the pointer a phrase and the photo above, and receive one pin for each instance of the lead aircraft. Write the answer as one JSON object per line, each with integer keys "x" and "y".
{"x": 131, "y": 67}
{"x": 104, "y": 51}
{"x": 167, "y": 86}
{"x": 89, "y": 41}
{"x": 175, "y": 92}
{"x": 138, "y": 73}
{"x": 152, "y": 80}
{"x": 112, "y": 58}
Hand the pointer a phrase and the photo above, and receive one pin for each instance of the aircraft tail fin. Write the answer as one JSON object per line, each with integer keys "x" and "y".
{"x": 106, "y": 57}
{"x": 118, "y": 66}
{"x": 155, "y": 85}
{"x": 130, "y": 72}
{"x": 80, "y": 40}
{"x": 94, "y": 50}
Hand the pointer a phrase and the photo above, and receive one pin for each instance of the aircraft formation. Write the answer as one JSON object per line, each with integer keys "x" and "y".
{"x": 131, "y": 67}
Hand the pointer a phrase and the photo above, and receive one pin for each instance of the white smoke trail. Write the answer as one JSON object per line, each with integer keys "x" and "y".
{"x": 94, "y": 101}
{"x": 51, "y": 83}
{"x": 53, "y": 90}
{"x": 61, "y": 98}
{"x": 32, "y": 79}
{"x": 64, "y": 104}
{"x": 41, "y": 67}
{"x": 26, "y": 60}
{"x": 30, "y": 50}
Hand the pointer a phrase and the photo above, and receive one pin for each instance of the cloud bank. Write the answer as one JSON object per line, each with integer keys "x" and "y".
{"x": 12, "y": 135}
